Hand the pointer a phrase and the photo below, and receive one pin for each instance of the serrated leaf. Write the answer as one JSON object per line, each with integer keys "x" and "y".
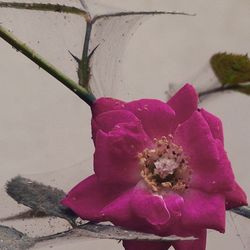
{"x": 39, "y": 197}
{"x": 231, "y": 69}
{"x": 11, "y": 239}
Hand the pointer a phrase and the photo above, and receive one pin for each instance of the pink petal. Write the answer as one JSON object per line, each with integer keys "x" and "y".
{"x": 211, "y": 169}
{"x": 198, "y": 143}
{"x": 145, "y": 245}
{"x": 184, "y": 103}
{"x": 236, "y": 198}
{"x": 202, "y": 210}
{"x": 106, "y": 121}
{"x": 116, "y": 155}
{"x": 150, "y": 208}
{"x": 89, "y": 197}
{"x": 215, "y": 124}
{"x": 156, "y": 116}
{"x": 119, "y": 212}
{"x": 219, "y": 179}
{"x": 105, "y": 104}
{"x": 199, "y": 244}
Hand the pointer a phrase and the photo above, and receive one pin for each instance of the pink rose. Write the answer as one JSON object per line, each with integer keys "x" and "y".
{"x": 159, "y": 168}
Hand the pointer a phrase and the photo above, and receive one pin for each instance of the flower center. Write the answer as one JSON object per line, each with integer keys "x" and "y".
{"x": 165, "y": 167}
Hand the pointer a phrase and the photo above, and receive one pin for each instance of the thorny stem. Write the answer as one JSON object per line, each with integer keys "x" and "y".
{"x": 84, "y": 70}
{"x": 80, "y": 91}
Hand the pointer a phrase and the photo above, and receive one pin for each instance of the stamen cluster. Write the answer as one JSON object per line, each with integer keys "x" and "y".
{"x": 164, "y": 166}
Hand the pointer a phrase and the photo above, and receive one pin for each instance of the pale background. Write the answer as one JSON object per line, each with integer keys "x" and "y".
{"x": 45, "y": 129}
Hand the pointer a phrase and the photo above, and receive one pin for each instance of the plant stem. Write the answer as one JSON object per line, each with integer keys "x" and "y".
{"x": 216, "y": 90}
{"x": 45, "y": 7}
{"x": 83, "y": 93}
{"x": 84, "y": 69}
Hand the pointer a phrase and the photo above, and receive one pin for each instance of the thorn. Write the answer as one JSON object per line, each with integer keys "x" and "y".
{"x": 75, "y": 57}
{"x": 92, "y": 52}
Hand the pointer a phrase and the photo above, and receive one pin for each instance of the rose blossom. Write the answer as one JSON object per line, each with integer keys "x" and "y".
{"x": 159, "y": 168}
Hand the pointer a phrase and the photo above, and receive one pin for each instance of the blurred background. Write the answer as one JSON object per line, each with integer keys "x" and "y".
{"x": 45, "y": 129}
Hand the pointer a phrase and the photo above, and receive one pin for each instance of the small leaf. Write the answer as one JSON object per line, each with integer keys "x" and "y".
{"x": 39, "y": 197}
{"x": 231, "y": 69}
{"x": 11, "y": 239}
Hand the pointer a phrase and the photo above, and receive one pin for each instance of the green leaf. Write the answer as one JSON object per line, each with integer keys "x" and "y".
{"x": 231, "y": 69}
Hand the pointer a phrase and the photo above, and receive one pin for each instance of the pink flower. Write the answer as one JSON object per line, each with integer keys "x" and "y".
{"x": 159, "y": 168}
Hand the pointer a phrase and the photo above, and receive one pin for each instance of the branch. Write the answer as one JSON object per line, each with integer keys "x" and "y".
{"x": 46, "y": 7}
{"x": 134, "y": 13}
{"x": 83, "y": 93}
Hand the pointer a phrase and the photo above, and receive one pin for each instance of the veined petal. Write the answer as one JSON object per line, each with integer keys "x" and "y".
{"x": 202, "y": 210}
{"x": 184, "y": 103}
{"x": 199, "y": 244}
{"x": 156, "y": 116}
{"x": 89, "y": 197}
{"x": 236, "y": 197}
{"x": 108, "y": 120}
{"x": 105, "y": 104}
{"x": 116, "y": 155}
{"x": 145, "y": 245}
{"x": 215, "y": 125}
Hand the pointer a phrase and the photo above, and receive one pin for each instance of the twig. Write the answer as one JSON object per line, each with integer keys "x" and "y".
{"x": 83, "y": 93}
{"x": 134, "y": 13}
{"x": 46, "y": 7}
{"x": 219, "y": 89}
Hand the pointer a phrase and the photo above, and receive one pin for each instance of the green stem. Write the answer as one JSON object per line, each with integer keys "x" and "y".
{"x": 218, "y": 89}
{"x": 45, "y": 7}
{"x": 80, "y": 91}
{"x": 84, "y": 69}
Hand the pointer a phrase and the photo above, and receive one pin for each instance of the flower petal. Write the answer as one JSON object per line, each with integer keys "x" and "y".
{"x": 150, "y": 207}
{"x": 89, "y": 197}
{"x": 116, "y": 155}
{"x": 202, "y": 210}
{"x": 145, "y": 245}
{"x": 214, "y": 123}
{"x": 236, "y": 198}
{"x": 195, "y": 137}
{"x": 106, "y": 121}
{"x": 219, "y": 179}
{"x": 156, "y": 116}
{"x": 105, "y": 104}
{"x": 199, "y": 244}
{"x": 184, "y": 103}
{"x": 211, "y": 169}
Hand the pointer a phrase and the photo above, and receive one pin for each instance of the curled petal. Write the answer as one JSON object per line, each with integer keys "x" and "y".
{"x": 89, "y": 197}
{"x": 214, "y": 123}
{"x": 156, "y": 116}
{"x": 105, "y": 104}
{"x": 184, "y": 103}
{"x": 202, "y": 210}
{"x": 150, "y": 207}
{"x": 199, "y": 244}
{"x": 145, "y": 245}
{"x": 236, "y": 197}
{"x": 116, "y": 155}
{"x": 106, "y": 121}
